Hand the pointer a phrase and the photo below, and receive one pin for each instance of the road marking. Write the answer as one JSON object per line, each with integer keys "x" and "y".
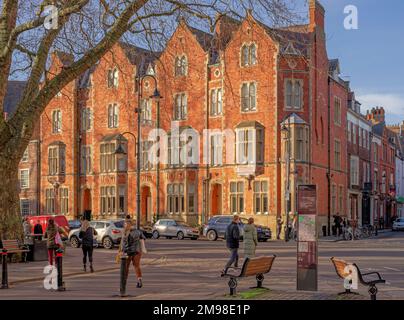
{"x": 392, "y": 269}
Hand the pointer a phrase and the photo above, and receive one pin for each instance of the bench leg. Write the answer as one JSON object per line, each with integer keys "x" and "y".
{"x": 232, "y": 285}
{"x": 260, "y": 280}
{"x": 373, "y": 292}
{"x": 4, "y": 273}
{"x": 348, "y": 291}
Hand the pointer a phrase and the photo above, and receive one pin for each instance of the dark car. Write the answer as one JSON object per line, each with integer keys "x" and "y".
{"x": 217, "y": 225}
{"x": 74, "y": 224}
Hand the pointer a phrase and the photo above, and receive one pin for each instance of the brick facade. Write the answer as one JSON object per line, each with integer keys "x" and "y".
{"x": 277, "y": 81}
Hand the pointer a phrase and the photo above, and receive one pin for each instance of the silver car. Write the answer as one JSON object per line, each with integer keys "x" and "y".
{"x": 171, "y": 228}
{"x": 398, "y": 224}
{"x": 109, "y": 233}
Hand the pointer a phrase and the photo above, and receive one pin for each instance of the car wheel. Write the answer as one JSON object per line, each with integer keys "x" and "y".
{"x": 180, "y": 235}
{"x": 212, "y": 235}
{"x": 107, "y": 243}
{"x": 155, "y": 234}
{"x": 74, "y": 242}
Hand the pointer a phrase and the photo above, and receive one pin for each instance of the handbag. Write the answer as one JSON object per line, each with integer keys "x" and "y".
{"x": 143, "y": 246}
{"x": 58, "y": 239}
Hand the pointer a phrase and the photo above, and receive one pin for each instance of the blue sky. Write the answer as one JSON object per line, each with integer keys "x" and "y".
{"x": 372, "y": 56}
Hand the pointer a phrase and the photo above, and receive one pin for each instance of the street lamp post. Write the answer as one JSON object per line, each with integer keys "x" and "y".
{"x": 286, "y": 132}
{"x": 156, "y": 96}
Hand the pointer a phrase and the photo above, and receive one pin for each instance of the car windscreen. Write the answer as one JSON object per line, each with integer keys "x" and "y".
{"x": 119, "y": 224}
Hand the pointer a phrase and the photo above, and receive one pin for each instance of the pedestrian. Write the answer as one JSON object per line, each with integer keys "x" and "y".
{"x": 294, "y": 227}
{"x": 232, "y": 243}
{"x": 54, "y": 242}
{"x": 28, "y": 240}
{"x": 38, "y": 231}
{"x": 86, "y": 235}
{"x": 337, "y": 221}
{"x": 279, "y": 222}
{"x": 132, "y": 247}
{"x": 381, "y": 223}
{"x": 250, "y": 239}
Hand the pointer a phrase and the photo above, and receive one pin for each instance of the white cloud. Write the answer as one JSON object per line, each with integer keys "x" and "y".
{"x": 392, "y": 103}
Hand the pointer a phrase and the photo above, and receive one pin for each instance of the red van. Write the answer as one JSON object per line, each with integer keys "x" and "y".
{"x": 61, "y": 221}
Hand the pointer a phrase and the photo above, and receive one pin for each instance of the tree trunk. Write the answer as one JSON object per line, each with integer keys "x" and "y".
{"x": 10, "y": 218}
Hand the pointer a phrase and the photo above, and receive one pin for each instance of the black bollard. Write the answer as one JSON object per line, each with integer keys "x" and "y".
{"x": 4, "y": 273}
{"x": 59, "y": 263}
{"x": 123, "y": 275}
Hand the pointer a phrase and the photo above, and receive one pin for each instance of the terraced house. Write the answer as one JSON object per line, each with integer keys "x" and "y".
{"x": 271, "y": 95}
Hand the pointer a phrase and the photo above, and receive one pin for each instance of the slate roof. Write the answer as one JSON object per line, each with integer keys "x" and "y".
{"x": 13, "y": 96}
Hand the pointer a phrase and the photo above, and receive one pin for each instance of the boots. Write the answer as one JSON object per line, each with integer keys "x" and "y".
{"x": 84, "y": 268}
{"x": 139, "y": 283}
{"x": 91, "y": 268}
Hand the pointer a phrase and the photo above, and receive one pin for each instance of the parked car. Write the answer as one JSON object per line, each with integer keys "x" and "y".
{"x": 74, "y": 224}
{"x": 171, "y": 228}
{"x": 217, "y": 225}
{"x": 109, "y": 233}
{"x": 60, "y": 220}
{"x": 398, "y": 224}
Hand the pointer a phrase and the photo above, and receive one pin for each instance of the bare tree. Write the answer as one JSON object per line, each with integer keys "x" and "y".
{"x": 87, "y": 29}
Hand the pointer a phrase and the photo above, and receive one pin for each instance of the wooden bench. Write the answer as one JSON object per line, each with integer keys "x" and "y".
{"x": 12, "y": 247}
{"x": 251, "y": 267}
{"x": 341, "y": 269}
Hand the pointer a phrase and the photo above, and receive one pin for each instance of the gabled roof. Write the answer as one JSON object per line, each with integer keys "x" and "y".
{"x": 293, "y": 119}
{"x": 139, "y": 57}
{"x": 334, "y": 66}
{"x": 204, "y": 39}
{"x": 13, "y": 96}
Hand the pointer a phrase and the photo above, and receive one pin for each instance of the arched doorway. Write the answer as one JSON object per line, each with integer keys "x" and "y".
{"x": 216, "y": 200}
{"x": 87, "y": 203}
{"x": 146, "y": 204}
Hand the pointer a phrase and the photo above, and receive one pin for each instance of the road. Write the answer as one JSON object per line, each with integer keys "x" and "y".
{"x": 186, "y": 269}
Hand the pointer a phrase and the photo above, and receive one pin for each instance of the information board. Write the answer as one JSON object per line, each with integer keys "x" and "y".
{"x": 307, "y": 252}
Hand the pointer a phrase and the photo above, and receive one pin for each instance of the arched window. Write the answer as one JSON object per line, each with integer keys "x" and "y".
{"x": 115, "y": 78}
{"x": 184, "y": 65}
{"x": 252, "y": 96}
{"x": 244, "y": 56}
{"x": 181, "y": 66}
{"x": 253, "y": 54}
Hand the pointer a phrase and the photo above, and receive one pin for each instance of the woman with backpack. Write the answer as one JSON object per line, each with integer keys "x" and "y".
{"x": 132, "y": 247}
{"x": 54, "y": 241}
{"x": 86, "y": 235}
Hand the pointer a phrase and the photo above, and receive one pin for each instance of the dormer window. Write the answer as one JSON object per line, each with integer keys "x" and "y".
{"x": 249, "y": 55}
{"x": 181, "y": 66}
{"x": 113, "y": 78}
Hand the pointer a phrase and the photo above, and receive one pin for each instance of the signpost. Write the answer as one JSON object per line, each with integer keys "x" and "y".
{"x": 307, "y": 250}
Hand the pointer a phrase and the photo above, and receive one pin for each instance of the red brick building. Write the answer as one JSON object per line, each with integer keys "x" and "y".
{"x": 268, "y": 94}
{"x": 384, "y": 167}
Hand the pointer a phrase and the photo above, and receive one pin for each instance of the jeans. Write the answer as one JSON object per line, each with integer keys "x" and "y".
{"x": 87, "y": 250}
{"x": 233, "y": 258}
{"x": 51, "y": 253}
{"x": 135, "y": 260}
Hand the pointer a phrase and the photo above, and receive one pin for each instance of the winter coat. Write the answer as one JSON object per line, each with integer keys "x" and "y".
{"x": 232, "y": 236}
{"x": 131, "y": 242}
{"x": 50, "y": 234}
{"x": 87, "y": 237}
{"x": 250, "y": 240}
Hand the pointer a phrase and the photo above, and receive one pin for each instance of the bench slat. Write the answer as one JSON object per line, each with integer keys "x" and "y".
{"x": 256, "y": 266}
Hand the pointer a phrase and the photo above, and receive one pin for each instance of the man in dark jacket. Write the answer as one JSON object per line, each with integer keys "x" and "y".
{"x": 38, "y": 230}
{"x": 232, "y": 242}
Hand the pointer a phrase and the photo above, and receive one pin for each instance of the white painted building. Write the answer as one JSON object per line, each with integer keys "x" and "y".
{"x": 400, "y": 178}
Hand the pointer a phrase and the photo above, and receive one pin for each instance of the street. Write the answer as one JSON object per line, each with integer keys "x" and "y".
{"x": 186, "y": 269}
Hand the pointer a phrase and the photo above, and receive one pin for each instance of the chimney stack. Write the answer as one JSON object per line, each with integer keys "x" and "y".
{"x": 376, "y": 115}
{"x": 316, "y": 14}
